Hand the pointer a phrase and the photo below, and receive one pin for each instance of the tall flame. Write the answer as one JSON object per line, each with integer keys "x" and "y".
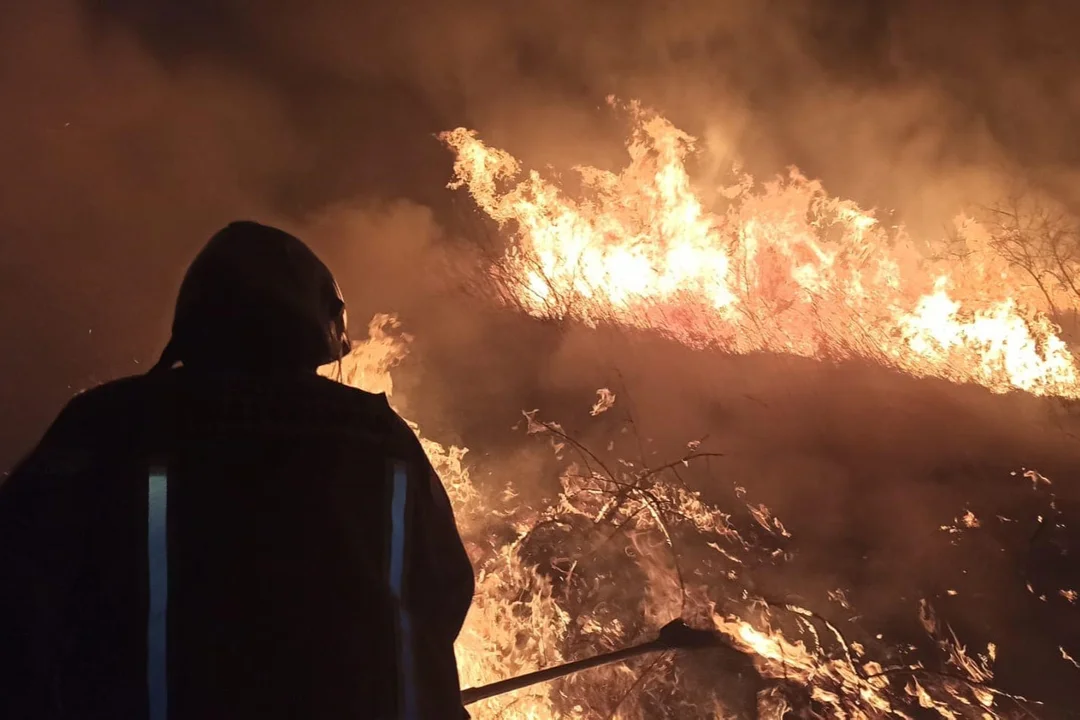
{"x": 777, "y": 267}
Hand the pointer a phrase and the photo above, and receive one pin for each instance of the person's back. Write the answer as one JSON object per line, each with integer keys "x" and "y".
{"x": 214, "y": 541}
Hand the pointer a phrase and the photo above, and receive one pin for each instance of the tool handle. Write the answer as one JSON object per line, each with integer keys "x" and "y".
{"x": 471, "y": 695}
{"x": 676, "y": 635}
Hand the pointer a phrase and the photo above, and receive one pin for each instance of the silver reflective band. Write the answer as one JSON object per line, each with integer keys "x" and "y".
{"x": 157, "y": 552}
{"x": 407, "y": 677}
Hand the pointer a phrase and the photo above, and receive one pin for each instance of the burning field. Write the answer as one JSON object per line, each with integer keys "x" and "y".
{"x": 844, "y": 438}
{"x": 847, "y": 450}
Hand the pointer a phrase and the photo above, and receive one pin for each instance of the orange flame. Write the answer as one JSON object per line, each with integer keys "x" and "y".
{"x": 781, "y": 267}
{"x": 518, "y": 623}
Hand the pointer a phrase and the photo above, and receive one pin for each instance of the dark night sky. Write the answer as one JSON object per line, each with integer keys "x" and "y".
{"x": 133, "y": 128}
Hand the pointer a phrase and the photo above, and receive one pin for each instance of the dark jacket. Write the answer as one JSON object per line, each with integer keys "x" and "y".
{"x": 223, "y": 546}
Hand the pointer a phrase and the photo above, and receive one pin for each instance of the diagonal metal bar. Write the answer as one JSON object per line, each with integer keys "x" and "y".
{"x": 676, "y": 635}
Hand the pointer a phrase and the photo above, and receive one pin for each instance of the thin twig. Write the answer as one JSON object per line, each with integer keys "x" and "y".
{"x": 637, "y": 682}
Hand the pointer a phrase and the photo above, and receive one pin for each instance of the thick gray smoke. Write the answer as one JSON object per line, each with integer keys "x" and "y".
{"x": 133, "y": 129}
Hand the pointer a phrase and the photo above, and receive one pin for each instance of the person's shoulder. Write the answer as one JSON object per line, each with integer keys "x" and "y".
{"x": 372, "y": 410}
{"x": 92, "y": 422}
{"x": 104, "y": 410}
{"x": 350, "y": 396}
{"x": 111, "y": 396}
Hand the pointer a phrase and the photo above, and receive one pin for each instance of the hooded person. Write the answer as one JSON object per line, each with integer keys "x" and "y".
{"x": 232, "y": 535}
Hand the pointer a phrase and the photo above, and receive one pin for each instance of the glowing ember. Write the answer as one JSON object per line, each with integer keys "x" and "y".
{"x": 524, "y": 619}
{"x": 781, "y": 267}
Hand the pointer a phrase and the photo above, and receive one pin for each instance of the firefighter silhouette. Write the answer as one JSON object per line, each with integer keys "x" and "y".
{"x": 231, "y": 535}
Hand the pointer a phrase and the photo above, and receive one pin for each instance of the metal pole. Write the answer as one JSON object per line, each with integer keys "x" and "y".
{"x": 471, "y": 695}
{"x": 676, "y": 635}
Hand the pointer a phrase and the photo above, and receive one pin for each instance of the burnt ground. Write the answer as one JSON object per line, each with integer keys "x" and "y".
{"x": 864, "y": 467}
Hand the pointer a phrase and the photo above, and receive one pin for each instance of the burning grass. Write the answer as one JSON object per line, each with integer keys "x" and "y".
{"x": 626, "y": 543}
{"x": 629, "y": 536}
{"x": 780, "y": 267}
